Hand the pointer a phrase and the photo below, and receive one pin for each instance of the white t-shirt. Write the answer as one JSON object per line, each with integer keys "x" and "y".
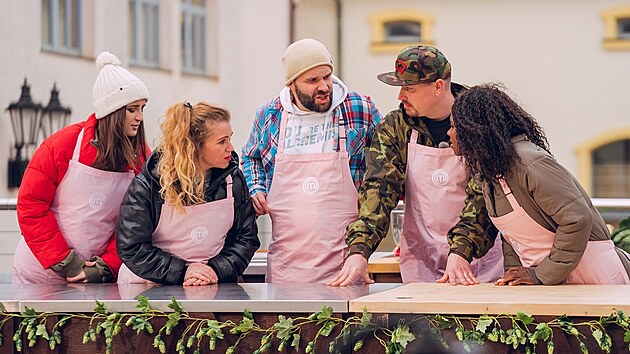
{"x": 310, "y": 133}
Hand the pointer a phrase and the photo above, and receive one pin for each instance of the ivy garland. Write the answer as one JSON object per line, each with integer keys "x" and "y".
{"x": 524, "y": 331}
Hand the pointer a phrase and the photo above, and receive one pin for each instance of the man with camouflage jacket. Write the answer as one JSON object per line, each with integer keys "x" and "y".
{"x": 410, "y": 155}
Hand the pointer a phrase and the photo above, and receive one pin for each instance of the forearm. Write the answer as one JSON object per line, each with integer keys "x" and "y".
{"x": 474, "y": 233}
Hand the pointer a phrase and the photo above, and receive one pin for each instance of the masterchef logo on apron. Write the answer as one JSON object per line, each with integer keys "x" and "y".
{"x": 439, "y": 178}
{"x": 97, "y": 200}
{"x": 310, "y": 185}
{"x": 199, "y": 233}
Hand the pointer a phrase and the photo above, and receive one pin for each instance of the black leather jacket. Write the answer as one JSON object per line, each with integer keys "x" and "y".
{"x": 140, "y": 213}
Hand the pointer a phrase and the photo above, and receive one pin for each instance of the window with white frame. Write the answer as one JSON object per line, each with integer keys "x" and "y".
{"x": 145, "y": 28}
{"x": 61, "y": 26}
{"x": 194, "y": 36}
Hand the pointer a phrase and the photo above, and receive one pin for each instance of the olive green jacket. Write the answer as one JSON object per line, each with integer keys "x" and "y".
{"x": 552, "y": 197}
{"x": 384, "y": 183}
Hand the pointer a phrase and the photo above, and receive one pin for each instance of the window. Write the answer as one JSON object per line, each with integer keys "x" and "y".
{"x": 145, "y": 32}
{"x": 61, "y": 26}
{"x": 611, "y": 170}
{"x": 617, "y": 28}
{"x": 623, "y": 28}
{"x": 402, "y": 32}
{"x": 393, "y": 30}
{"x": 194, "y": 36}
{"x": 604, "y": 164}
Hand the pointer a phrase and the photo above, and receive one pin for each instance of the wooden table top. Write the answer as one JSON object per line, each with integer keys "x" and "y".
{"x": 386, "y": 264}
{"x": 431, "y": 298}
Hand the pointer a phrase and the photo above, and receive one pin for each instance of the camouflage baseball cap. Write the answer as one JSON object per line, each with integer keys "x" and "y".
{"x": 416, "y": 65}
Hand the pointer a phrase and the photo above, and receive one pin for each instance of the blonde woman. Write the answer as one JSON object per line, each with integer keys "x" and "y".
{"x": 187, "y": 218}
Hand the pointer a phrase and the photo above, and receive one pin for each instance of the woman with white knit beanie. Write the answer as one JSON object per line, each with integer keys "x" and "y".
{"x": 71, "y": 191}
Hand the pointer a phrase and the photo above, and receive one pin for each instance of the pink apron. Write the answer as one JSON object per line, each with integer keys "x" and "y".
{"x": 600, "y": 263}
{"x": 311, "y": 201}
{"x": 86, "y": 206}
{"x": 435, "y": 195}
{"x": 194, "y": 236}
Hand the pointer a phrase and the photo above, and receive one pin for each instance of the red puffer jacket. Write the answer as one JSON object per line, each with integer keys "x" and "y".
{"x": 37, "y": 191}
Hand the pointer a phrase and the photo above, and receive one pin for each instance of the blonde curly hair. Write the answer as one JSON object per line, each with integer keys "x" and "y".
{"x": 184, "y": 131}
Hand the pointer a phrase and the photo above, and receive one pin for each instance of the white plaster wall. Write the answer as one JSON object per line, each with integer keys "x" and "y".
{"x": 548, "y": 53}
{"x": 247, "y": 36}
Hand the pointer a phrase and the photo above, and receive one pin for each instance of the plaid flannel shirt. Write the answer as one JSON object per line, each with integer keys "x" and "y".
{"x": 361, "y": 117}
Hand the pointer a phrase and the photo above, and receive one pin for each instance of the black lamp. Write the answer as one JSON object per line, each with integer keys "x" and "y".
{"x": 25, "y": 121}
{"x": 54, "y": 116}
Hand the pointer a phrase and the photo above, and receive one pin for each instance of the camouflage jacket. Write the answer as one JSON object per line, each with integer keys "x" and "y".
{"x": 384, "y": 183}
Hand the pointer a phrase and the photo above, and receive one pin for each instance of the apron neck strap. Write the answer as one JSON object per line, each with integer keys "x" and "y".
{"x": 508, "y": 194}
{"x": 414, "y": 136}
{"x": 228, "y": 187}
{"x": 77, "y": 146}
{"x": 342, "y": 132}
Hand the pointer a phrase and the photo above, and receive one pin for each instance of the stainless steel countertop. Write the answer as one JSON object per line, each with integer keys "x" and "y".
{"x": 258, "y": 264}
{"x": 256, "y": 297}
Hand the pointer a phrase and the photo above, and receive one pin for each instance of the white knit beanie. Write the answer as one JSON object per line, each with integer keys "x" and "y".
{"x": 115, "y": 87}
{"x": 302, "y": 56}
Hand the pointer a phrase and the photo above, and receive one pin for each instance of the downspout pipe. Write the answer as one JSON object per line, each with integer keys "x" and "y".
{"x": 339, "y": 64}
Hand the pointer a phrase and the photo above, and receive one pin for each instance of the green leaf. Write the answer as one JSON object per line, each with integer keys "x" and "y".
{"x": 143, "y": 304}
{"x": 402, "y": 336}
{"x": 248, "y": 314}
{"x": 625, "y": 223}
{"x": 603, "y": 339}
{"x": 101, "y": 308}
{"x": 525, "y": 318}
{"x": 626, "y": 336}
{"x": 246, "y": 325}
{"x": 284, "y": 327}
{"x": 42, "y": 332}
{"x": 583, "y": 348}
{"x": 28, "y": 312}
{"x": 175, "y": 305}
{"x": 327, "y": 328}
{"x": 459, "y": 332}
{"x": 550, "y": 347}
{"x": 443, "y": 322}
{"x": 310, "y": 347}
{"x": 366, "y": 318}
{"x": 296, "y": 342}
{"x": 324, "y": 315}
{"x": 544, "y": 331}
{"x": 483, "y": 323}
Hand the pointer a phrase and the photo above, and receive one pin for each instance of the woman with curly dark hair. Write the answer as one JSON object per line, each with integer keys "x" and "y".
{"x": 552, "y": 231}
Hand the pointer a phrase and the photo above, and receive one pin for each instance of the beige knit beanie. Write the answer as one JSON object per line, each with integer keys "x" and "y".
{"x": 302, "y": 56}
{"x": 115, "y": 87}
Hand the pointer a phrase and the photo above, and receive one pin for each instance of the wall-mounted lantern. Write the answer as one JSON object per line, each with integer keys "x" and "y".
{"x": 25, "y": 121}
{"x": 54, "y": 115}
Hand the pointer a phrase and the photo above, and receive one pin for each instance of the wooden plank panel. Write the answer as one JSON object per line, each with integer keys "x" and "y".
{"x": 430, "y": 298}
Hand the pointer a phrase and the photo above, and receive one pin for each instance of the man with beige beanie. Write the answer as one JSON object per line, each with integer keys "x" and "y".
{"x": 310, "y": 141}
{"x": 71, "y": 192}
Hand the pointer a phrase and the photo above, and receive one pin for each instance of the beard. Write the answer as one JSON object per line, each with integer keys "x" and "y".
{"x": 309, "y": 101}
